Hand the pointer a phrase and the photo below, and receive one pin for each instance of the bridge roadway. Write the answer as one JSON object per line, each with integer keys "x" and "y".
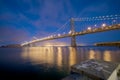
{"x": 88, "y": 31}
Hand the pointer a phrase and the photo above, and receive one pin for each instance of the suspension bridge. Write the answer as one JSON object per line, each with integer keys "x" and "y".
{"x": 113, "y": 25}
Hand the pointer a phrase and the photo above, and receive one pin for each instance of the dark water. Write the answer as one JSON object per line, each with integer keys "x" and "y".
{"x": 48, "y": 63}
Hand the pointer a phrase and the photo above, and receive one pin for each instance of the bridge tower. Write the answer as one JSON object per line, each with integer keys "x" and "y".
{"x": 73, "y": 38}
{"x": 30, "y": 45}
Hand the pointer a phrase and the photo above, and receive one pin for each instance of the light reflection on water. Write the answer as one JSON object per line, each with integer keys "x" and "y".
{"x": 54, "y": 56}
{"x": 68, "y": 56}
{"x": 107, "y": 56}
{"x": 55, "y": 62}
{"x": 92, "y": 54}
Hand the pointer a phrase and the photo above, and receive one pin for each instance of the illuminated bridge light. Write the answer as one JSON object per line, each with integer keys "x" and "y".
{"x": 51, "y": 36}
{"x": 95, "y": 25}
{"x": 70, "y": 32}
{"x": 48, "y": 36}
{"x": 89, "y": 28}
{"x": 58, "y": 34}
{"x": 103, "y": 25}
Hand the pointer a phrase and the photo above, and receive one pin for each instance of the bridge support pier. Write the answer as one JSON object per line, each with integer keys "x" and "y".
{"x": 73, "y": 39}
{"x": 30, "y": 45}
{"x": 33, "y": 44}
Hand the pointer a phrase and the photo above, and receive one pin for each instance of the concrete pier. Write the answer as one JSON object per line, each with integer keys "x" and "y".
{"x": 95, "y": 70}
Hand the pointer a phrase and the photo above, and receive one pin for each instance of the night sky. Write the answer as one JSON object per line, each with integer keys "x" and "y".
{"x": 22, "y": 20}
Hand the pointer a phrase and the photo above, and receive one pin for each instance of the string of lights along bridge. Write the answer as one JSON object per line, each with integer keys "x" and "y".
{"x": 85, "y": 25}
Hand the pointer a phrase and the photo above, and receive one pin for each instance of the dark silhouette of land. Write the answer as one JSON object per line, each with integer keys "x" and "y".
{"x": 11, "y": 46}
{"x": 117, "y": 44}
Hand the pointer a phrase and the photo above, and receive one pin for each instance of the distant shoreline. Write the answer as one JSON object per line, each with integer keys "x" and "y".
{"x": 116, "y": 44}
{"x": 11, "y": 46}
{"x": 56, "y": 46}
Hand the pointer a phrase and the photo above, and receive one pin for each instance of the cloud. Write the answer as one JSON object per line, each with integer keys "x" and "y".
{"x": 40, "y": 14}
{"x": 52, "y": 13}
{"x": 94, "y": 10}
{"x": 10, "y": 34}
{"x": 100, "y": 8}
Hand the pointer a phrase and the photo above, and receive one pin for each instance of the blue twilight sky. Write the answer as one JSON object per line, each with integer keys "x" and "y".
{"x": 21, "y": 20}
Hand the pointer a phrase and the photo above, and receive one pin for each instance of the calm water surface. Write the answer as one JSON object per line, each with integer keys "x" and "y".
{"x": 48, "y": 63}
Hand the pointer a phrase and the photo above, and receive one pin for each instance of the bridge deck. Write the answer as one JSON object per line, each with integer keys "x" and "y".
{"x": 95, "y": 30}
